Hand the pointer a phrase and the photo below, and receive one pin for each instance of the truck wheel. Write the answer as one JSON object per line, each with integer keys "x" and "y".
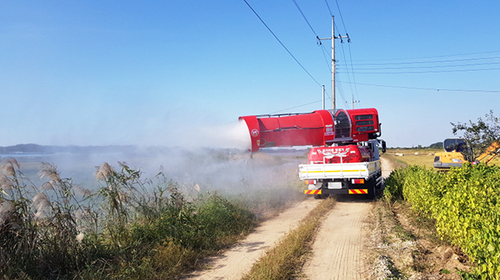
{"x": 371, "y": 188}
{"x": 319, "y": 196}
{"x": 380, "y": 189}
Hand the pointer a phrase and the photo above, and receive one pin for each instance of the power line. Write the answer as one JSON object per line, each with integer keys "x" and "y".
{"x": 329, "y": 10}
{"x": 276, "y": 37}
{"x": 422, "y": 65}
{"x": 427, "y": 72}
{"x": 428, "y": 57}
{"x": 428, "y": 67}
{"x": 432, "y": 89}
{"x": 287, "y": 109}
{"x": 341, "y": 17}
{"x": 312, "y": 29}
{"x": 340, "y": 91}
{"x": 430, "y": 61}
{"x": 314, "y": 32}
{"x": 354, "y": 91}
{"x": 347, "y": 70}
{"x": 353, "y": 76}
{"x": 327, "y": 56}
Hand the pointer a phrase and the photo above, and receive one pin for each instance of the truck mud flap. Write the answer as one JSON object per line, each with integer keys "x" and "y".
{"x": 358, "y": 191}
{"x": 338, "y": 191}
{"x": 312, "y": 192}
{"x": 335, "y": 191}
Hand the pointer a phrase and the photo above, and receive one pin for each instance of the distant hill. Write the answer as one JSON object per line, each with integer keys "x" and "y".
{"x": 437, "y": 145}
{"x": 41, "y": 149}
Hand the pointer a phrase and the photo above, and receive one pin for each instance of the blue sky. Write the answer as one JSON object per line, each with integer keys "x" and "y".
{"x": 178, "y": 72}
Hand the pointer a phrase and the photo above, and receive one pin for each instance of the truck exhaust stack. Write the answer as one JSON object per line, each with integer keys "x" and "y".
{"x": 321, "y": 127}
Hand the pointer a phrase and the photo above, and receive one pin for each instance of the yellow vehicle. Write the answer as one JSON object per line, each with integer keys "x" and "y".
{"x": 490, "y": 152}
{"x": 457, "y": 152}
{"x": 453, "y": 155}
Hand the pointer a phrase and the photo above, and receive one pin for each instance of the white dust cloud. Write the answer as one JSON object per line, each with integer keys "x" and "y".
{"x": 228, "y": 136}
{"x": 193, "y": 136}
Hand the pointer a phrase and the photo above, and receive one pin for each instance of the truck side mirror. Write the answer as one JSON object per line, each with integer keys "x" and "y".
{"x": 384, "y": 147}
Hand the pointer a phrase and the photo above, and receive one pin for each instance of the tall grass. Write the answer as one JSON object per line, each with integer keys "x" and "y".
{"x": 39, "y": 233}
{"x": 130, "y": 227}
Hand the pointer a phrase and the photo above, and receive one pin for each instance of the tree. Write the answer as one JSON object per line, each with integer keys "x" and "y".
{"x": 479, "y": 135}
{"x": 437, "y": 145}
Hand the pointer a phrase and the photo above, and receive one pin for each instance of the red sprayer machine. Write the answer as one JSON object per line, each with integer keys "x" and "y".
{"x": 344, "y": 158}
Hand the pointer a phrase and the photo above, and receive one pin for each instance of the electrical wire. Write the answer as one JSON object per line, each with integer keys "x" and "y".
{"x": 428, "y": 72}
{"x": 324, "y": 51}
{"x": 281, "y": 43}
{"x": 436, "y": 64}
{"x": 429, "y": 67}
{"x": 432, "y": 89}
{"x": 431, "y": 57}
{"x": 353, "y": 76}
{"x": 312, "y": 29}
{"x": 288, "y": 109}
{"x": 341, "y": 17}
{"x": 349, "y": 73}
{"x": 314, "y": 32}
{"x": 429, "y": 61}
{"x": 329, "y": 10}
{"x": 328, "y": 59}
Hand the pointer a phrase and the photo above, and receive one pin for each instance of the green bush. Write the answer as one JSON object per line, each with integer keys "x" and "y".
{"x": 203, "y": 226}
{"x": 470, "y": 215}
{"x": 464, "y": 202}
{"x": 394, "y": 185}
{"x": 423, "y": 188}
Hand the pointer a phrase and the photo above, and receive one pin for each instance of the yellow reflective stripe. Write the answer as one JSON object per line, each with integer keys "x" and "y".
{"x": 333, "y": 171}
{"x": 358, "y": 191}
{"x": 312, "y": 191}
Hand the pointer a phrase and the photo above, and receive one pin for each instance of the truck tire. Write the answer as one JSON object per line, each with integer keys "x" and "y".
{"x": 379, "y": 190}
{"x": 371, "y": 188}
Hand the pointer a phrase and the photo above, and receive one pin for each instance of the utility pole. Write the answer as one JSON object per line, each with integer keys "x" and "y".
{"x": 323, "y": 98}
{"x": 333, "y": 55}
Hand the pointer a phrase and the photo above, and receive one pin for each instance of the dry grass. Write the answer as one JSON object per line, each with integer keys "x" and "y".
{"x": 285, "y": 259}
{"x": 405, "y": 245}
{"x": 422, "y": 157}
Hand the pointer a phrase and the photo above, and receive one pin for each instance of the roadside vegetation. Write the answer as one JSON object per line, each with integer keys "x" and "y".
{"x": 129, "y": 228}
{"x": 463, "y": 206}
{"x": 286, "y": 259}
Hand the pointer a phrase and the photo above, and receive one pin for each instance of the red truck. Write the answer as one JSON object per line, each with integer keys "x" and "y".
{"x": 344, "y": 158}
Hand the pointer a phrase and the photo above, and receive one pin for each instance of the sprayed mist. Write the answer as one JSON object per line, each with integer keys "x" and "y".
{"x": 193, "y": 134}
{"x": 233, "y": 136}
{"x": 218, "y": 160}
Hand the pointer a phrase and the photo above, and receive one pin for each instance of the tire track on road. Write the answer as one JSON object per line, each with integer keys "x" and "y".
{"x": 337, "y": 249}
{"x": 238, "y": 260}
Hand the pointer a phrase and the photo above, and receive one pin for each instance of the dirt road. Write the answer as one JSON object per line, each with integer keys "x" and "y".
{"x": 237, "y": 261}
{"x": 337, "y": 250}
{"x": 387, "y": 167}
